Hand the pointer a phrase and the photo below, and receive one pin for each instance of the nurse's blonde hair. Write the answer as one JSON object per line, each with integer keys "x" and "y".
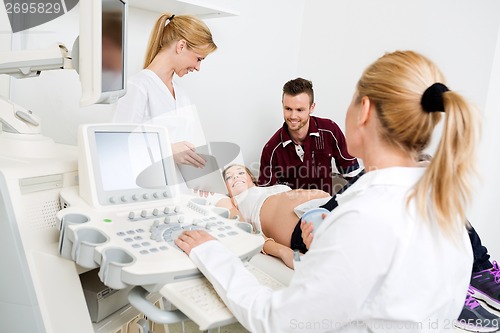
{"x": 171, "y": 28}
{"x": 395, "y": 84}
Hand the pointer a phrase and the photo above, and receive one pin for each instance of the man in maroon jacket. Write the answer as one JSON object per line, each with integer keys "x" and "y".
{"x": 308, "y": 151}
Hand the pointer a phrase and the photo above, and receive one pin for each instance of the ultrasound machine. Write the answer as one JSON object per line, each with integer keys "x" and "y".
{"x": 126, "y": 213}
{"x": 87, "y": 232}
{"x": 90, "y": 231}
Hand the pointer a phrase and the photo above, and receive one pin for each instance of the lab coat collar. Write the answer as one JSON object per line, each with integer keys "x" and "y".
{"x": 394, "y": 176}
{"x": 160, "y": 83}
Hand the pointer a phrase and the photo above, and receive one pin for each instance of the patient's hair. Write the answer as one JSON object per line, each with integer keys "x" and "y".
{"x": 299, "y": 86}
{"x": 395, "y": 84}
{"x": 193, "y": 30}
{"x": 252, "y": 176}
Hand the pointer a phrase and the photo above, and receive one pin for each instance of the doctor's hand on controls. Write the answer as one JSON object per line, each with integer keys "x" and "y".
{"x": 399, "y": 225}
{"x": 177, "y": 46}
{"x": 192, "y": 238}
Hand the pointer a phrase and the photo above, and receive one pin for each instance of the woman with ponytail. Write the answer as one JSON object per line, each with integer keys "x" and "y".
{"x": 177, "y": 45}
{"x": 382, "y": 259}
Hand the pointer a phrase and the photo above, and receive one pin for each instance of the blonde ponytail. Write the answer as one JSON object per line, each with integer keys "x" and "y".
{"x": 171, "y": 28}
{"x": 396, "y": 84}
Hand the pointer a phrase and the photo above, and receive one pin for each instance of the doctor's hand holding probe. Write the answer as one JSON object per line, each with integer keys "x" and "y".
{"x": 399, "y": 225}
{"x": 177, "y": 45}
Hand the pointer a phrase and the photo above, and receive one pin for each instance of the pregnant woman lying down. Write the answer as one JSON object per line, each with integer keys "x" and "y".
{"x": 270, "y": 210}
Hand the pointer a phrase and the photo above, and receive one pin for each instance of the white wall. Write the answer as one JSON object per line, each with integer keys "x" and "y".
{"x": 484, "y": 214}
{"x": 460, "y": 36}
{"x": 340, "y": 38}
{"x": 238, "y": 90}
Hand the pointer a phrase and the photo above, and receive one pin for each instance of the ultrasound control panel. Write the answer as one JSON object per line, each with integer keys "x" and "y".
{"x": 133, "y": 244}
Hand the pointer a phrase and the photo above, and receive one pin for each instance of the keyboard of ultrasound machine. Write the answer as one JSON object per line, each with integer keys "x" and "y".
{"x": 197, "y": 299}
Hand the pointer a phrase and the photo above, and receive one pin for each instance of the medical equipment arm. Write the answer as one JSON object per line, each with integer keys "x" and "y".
{"x": 24, "y": 64}
{"x": 137, "y": 297}
{"x": 16, "y": 119}
{"x": 29, "y": 63}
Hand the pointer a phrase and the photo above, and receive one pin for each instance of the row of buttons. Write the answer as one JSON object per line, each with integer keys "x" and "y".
{"x": 130, "y": 232}
{"x": 144, "y": 214}
{"x": 138, "y": 197}
{"x": 197, "y": 208}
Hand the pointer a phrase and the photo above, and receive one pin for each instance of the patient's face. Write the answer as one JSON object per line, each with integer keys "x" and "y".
{"x": 237, "y": 180}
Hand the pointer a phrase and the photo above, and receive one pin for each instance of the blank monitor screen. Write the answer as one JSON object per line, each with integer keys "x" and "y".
{"x": 124, "y": 156}
{"x": 126, "y": 163}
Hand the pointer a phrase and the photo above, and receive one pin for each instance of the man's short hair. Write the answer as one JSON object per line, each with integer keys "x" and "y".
{"x": 298, "y": 86}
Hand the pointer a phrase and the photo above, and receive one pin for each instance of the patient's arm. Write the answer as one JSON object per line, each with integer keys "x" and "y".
{"x": 228, "y": 203}
{"x": 278, "y": 250}
{"x": 271, "y": 248}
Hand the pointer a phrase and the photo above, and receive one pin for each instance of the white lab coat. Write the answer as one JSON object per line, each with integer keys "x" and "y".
{"x": 148, "y": 100}
{"x": 374, "y": 266}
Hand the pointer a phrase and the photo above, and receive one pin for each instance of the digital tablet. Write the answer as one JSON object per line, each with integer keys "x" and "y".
{"x": 209, "y": 178}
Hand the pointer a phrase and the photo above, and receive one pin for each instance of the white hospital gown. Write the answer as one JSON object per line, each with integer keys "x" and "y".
{"x": 250, "y": 201}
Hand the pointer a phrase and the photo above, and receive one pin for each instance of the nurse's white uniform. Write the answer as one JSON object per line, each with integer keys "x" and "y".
{"x": 374, "y": 266}
{"x": 149, "y": 101}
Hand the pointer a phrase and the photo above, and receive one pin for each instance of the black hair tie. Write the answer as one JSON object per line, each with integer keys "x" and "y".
{"x": 171, "y": 17}
{"x": 432, "y": 99}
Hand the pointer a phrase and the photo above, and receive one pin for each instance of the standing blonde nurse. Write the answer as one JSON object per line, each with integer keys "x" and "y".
{"x": 177, "y": 45}
{"x": 377, "y": 262}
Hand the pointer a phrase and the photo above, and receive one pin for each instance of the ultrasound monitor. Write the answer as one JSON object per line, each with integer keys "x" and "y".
{"x": 125, "y": 163}
{"x": 99, "y": 53}
{"x": 112, "y": 51}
